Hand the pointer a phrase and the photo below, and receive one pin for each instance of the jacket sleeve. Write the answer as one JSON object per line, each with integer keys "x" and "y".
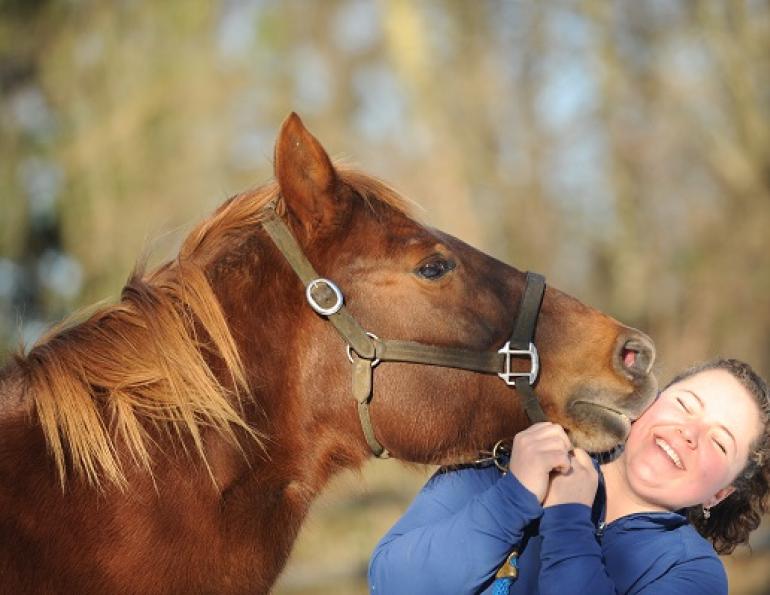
{"x": 454, "y": 536}
{"x": 571, "y": 555}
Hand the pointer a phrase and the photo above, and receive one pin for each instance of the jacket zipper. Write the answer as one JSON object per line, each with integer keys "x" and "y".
{"x": 600, "y": 530}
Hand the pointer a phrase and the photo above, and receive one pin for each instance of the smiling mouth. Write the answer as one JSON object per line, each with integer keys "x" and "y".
{"x": 666, "y": 448}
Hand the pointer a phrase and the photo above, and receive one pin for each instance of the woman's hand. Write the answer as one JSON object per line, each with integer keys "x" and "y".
{"x": 537, "y": 451}
{"x": 576, "y": 485}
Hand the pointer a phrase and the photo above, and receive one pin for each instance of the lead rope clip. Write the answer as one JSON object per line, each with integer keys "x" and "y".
{"x": 507, "y": 573}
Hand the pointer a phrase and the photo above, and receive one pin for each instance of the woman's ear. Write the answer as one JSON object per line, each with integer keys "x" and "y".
{"x": 719, "y": 496}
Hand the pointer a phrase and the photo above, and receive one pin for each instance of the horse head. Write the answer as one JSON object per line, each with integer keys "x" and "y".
{"x": 403, "y": 280}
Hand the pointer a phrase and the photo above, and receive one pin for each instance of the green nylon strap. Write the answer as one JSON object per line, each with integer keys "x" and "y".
{"x": 362, "y": 380}
{"x": 529, "y": 307}
{"x": 378, "y": 450}
{"x": 530, "y": 401}
{"x": 345, "y": 324}
{"x": 489, "y": 362}
{"x": 362, "y": 391}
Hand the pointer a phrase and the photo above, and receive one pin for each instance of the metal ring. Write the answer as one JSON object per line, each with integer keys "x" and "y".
{"x": 334, "y": 308}
{"x": 499, "y": 450}
{"x": 349, "y": 349}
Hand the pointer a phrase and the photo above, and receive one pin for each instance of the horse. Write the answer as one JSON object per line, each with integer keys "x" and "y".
{"x": 172, "y": 442}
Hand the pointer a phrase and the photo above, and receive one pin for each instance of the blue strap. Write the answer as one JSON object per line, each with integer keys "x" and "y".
{"x": 502, "y": 586}
{"x": 506, "y": 574}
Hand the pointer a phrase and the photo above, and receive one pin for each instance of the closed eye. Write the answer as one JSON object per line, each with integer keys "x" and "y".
{"x": 683, "y": 405}
{"x": 721, "y": 446}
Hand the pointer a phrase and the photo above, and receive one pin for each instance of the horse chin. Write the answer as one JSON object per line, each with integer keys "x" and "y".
{"x": 597, "y": 427}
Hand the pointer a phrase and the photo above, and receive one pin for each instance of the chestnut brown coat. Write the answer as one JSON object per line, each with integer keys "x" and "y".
{"x": 173, "y": 442}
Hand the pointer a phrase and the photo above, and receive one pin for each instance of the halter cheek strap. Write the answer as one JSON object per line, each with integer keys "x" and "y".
{"x": 366, "y": 350}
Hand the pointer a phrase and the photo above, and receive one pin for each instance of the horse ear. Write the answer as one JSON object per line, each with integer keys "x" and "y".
{"x": 306, "y": 176}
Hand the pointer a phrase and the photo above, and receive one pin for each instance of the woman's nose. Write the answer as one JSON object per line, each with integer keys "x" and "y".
{"x": 689, "y": 433}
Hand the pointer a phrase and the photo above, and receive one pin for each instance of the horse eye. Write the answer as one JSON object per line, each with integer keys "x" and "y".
{"x": 435, "y": 269}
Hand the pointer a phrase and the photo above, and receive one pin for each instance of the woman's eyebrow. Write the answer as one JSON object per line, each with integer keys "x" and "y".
{"x": 702, "y": 406}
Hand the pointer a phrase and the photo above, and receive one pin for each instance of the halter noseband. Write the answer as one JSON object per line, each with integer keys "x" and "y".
{"x": 366, "y": 350}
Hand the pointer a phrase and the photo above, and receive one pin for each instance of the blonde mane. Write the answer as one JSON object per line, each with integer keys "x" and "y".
{"x": 143, "y": 367}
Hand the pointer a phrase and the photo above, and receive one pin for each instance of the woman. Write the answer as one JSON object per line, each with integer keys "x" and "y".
{"x": 695, "y": 467}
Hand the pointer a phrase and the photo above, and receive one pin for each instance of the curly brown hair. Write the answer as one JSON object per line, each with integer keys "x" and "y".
{"x": 731, "y": 522}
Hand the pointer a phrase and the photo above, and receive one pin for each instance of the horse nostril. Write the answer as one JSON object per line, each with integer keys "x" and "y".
{"x": 636, "y": 355}
{"x": 629, "y": 357}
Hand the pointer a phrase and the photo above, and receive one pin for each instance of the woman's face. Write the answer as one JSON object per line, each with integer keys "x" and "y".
{"x": 692, "y": 442}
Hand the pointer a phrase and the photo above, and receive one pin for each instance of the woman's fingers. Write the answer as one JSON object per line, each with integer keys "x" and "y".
{"x": 539, "y": 439}
{"x": 575, "y": 486}
{"x": 542, "y": 431}
{"x": 556, "y": 460}
{"x": 538, "y": 451}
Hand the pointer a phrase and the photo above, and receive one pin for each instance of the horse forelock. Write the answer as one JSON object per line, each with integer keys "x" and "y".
{"x": 142, "y": 366}
{"x": 247, "y": 209}
{"x": 371, "y": 189}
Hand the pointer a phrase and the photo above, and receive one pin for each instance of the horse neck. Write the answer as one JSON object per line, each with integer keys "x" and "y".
{"x": 300, "y": 401}
{"x": 297, "y": 373}
{"x": 23, "y": 451}
{"x": 11, "y": 390}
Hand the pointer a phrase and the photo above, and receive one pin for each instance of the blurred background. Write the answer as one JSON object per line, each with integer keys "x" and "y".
{"x": 620, "y": 148}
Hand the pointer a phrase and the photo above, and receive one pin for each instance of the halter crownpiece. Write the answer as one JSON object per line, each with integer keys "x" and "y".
{"x": 365, "y": 350}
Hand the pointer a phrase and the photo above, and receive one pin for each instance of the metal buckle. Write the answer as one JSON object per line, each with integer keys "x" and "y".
{"x": 334, "y": 308}
{"x": 349, "y": 349}
{"x": 510, "y": 377}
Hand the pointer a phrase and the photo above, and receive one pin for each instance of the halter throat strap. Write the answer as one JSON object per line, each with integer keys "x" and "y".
{"x": 365, "y": 350}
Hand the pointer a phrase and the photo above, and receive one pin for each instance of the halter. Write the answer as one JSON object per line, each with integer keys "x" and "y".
{"x": 366, "y": 350}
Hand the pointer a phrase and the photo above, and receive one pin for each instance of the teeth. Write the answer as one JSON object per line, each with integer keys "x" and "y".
{"x": 669, "y": 451}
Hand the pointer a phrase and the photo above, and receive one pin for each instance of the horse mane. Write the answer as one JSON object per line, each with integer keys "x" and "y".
{"x": 143, "y": 367}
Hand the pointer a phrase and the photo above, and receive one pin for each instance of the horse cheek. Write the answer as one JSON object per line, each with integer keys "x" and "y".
{"x": 426, "y": 414}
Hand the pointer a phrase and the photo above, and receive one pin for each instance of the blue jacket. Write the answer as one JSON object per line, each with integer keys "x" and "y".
{"x": 464, "y": 523}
